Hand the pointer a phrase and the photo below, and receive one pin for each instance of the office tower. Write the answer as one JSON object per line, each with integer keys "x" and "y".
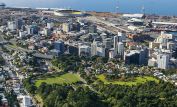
{"x": 107, "y": 43}
{"x": 67, "y": 27}
{"x": 111, "y": 53}
{"x": 120, "y": 49}
{"x": 152, "y": 62}
{"x": 22, "y": 34}
{"x": 121, "y": 37}
{"x": 116, "y": 45}
{"x": 97, "y": 49}
{"x": 28, "y": 29}
{"x": 33, "y": 29}
{"x": 19, "y": 23}
{"x": 101, "y": 51}
{"x": 92, "y": 29}
{"x": 142, "y": 57}
{"x": 59, "y": 45}
{"x": 12, "y": 25}
{"x": 76, "y": 26}
{"x": 132, "y": 57}
{"x": 163, "y": 61}
{"x": 94, "y": 48}
{"x": 136, "y": 57}
{"x": 84, "y": 50}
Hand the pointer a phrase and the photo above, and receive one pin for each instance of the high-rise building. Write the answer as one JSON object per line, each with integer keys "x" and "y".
{"x": 84, "y": 50}
{"x": 76, "y": 26}
{"x": 163, "y": 61}
{"x": 115, "y": 45}
{"x": 59, "y": 45}
{"x": 94, "y": 48}
{"x": 121, "y": 37}
{"x": 137, "y": 57}
{"x": 66, "y": 27}
{"x": 12, "y": 25}
{"x": 117, "y": 39}
{"x": 107, "y": 43}
{"x": 33, "y": 29}
{"x": 22, "y": 34}
{"x": 132, "y": 57}
{"x": 152, "y": 62}
{"x": 97, "y": 49}
{"x": 19, "y": 23}
{"x": 111, "y": 53}
{"x": 120, "y": 49}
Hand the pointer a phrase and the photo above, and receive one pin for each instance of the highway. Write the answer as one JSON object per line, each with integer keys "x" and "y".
{"x": 107, "y": 25}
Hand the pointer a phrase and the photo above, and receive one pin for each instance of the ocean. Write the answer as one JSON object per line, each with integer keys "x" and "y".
{"x": 160, "y": 7}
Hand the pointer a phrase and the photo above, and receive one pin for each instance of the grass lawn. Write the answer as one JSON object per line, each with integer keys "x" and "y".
{"x": 65, "y": 78}
{"x": 138, "y": 80}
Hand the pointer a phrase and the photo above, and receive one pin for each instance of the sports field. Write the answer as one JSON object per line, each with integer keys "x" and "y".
{"x": 138, "y": 80}
{"x": 65, "y": 78}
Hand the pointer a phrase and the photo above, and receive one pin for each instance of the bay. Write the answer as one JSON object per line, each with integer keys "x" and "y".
{"x": 160, "y": 7}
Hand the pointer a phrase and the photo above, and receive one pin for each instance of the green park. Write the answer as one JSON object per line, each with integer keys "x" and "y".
{"x": 67, "y": 78}
{"x": 137, "y": 80}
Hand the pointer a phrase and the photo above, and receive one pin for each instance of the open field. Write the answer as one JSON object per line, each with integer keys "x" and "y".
{"x": 138, "y": 80}
{"x": 65, "y": 78}
{"x": 39, "y": 100}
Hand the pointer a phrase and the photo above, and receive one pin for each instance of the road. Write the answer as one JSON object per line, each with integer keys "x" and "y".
{"x": 1, "y": 37}
{"x": 105, "y": 24}
{"x": 14, "y": 74}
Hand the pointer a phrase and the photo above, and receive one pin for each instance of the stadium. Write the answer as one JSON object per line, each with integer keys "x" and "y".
{"x": 72, "y": 13}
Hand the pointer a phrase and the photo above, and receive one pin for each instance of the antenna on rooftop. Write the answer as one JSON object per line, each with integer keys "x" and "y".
{"x": 117, "y": 7}
{"x": 143, "y": 9}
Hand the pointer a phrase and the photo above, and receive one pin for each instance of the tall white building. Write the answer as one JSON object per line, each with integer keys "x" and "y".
{"x": 163, "y": 61}
{"x": 94, "y": 48}
{"x": 118, "y": 38}
{"x": 120, "y": 49}
{"x": 97, "y": 49}
{"x": 66, "y": 27}
{"x": 22, "y": 34}
{"x": 84, "y": 50}
{"x": 115, "y": 44}
{"x": 122, "y": 37}
{"x": 111, "y": 53}
{"x": 12, "y": 25}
